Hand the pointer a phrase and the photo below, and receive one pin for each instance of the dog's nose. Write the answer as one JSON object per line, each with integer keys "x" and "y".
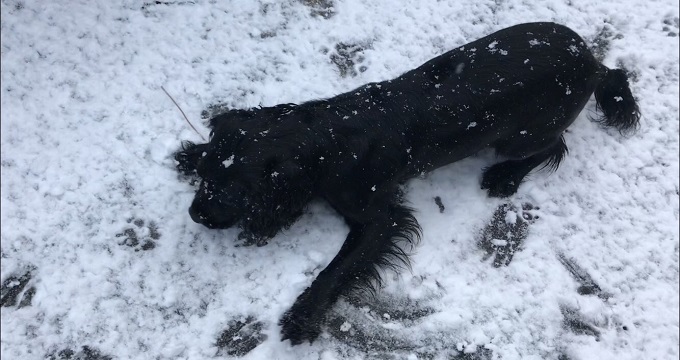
{"x": 194, "y": 215}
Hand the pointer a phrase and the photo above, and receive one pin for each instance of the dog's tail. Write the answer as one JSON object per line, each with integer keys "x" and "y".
{"x": 616, "y": 102}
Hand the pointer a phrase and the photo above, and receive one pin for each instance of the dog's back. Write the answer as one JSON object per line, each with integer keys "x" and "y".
{"x": 512, "y": 87}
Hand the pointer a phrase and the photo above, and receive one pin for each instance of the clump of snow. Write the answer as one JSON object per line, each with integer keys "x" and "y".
{"x": 228, "y": 162}
{"x": 345, "y": 326}
{"x": 499, "y": 242}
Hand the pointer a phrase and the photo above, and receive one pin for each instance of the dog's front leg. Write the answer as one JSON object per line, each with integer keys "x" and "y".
{"x": 368, "y": 246}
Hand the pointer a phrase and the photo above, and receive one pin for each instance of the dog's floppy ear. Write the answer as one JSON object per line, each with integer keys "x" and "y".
{"x": 188, "y": 155}
{"x": 231, "y": 118}
{"x": 279, "y": 198}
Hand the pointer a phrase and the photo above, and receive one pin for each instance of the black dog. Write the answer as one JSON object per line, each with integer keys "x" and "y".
{"x": 515, "y": 91}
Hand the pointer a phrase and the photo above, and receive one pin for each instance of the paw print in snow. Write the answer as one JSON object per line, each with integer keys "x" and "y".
{"x": 240, "y": 337}
{"x": 15, "y": 289}
{"x": 347, "y": 58}
{"x": 671, "y": 26}
{"x": 505, "y": 233}
{"x": 140, "y": 237}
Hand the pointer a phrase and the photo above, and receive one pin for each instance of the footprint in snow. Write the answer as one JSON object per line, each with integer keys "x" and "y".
{"x": 504, "y": 234}
{"x": 86, "y": 353}
{"x": 15, "y": 290}
{"x": 240, "y": 337}
{"x": 140, "y": 237}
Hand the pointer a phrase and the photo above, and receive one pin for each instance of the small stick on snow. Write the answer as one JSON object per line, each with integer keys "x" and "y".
{"x": 183, "y": 114}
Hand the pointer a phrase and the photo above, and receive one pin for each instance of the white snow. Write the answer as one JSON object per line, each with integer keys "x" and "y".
{"x": 87, "y": 136}
{"x": 345, "y": 326}
{"x": 228, "y": 162}
{"x": 499, "y": 242}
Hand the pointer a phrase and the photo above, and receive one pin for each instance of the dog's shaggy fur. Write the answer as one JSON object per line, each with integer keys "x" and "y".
{"x": 515, "y": 91}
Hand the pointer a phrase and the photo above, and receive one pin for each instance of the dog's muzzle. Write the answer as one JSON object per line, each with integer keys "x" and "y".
{"x": 195, "y": 216}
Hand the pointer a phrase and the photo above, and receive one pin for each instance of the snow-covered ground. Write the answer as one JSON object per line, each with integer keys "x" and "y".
{"x": 101, "y": 260}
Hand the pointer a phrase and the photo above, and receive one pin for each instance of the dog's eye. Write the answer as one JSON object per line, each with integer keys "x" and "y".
{"x": 212, "y": 134}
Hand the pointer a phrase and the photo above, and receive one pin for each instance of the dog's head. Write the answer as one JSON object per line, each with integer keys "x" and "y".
{"x": 221, "y": 198}
{"x": 218, "y": 204}
{"x": 249, "y": 175}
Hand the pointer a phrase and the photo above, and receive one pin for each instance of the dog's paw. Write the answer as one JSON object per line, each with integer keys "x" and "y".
{"x": 302, "y": 322}
{"x": 499, "y": 181}
{"x": 298, "y": 327}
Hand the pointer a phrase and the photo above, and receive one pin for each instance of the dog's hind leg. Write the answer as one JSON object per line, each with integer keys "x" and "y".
{"x": 372, "y": 243}
{"x": 503, "y": 179}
